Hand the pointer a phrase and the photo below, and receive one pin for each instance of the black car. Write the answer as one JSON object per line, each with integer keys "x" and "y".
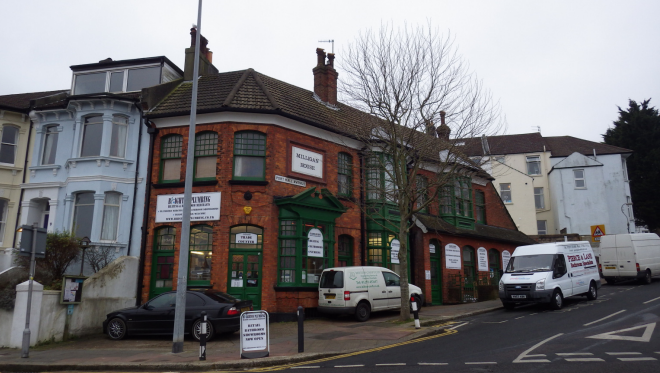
{"x": 157, "y": 315}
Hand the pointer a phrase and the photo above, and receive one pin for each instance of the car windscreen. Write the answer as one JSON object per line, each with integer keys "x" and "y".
{"x": 530, "y": 263}
{"x": 221, "y": 297}
{"x": 332, "y": 279}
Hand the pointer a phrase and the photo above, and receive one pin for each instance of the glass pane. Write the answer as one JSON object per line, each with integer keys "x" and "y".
{"x": 110, "y": 220}
{"x": 171, "y": 147}
{"x": 118, "y": 142}
{"x": 92, "y": 136}
{"x": 89, "y": 83}
{"x": 200, "y": 266}
{"x": 579, "y": 174}
{"x": 579, "y": 183}
{"x": 205, "y": 167}
{"x": 172, "y": 169}
{"x": 142, "y": 78}
{"x": 83, "y": 219}
{"x": 9, "y": 135}
{"x": 206, "y": 144}
{"x": 117, "y": 81}
{"x": 50, "y": 146}
{"x": 249, "y": 167}
{"x": 7, "y": 153}
{"x": 250, "y": 143}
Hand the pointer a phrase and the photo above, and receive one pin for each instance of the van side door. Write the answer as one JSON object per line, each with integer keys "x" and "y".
{"x": 560, "y": 276}
{"x": 377, "y": 289}
{"x": 393, "y": 289}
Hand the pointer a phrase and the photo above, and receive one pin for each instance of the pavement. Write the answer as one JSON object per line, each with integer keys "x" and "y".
{"x": 324, "y": 338}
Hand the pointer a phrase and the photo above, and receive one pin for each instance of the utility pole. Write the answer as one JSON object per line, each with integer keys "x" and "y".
{"x": 182, "y": 276}
{"x": 25, "y": 351}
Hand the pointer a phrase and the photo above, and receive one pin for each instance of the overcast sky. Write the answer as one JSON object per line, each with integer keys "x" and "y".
{"x": 563, "y": 66}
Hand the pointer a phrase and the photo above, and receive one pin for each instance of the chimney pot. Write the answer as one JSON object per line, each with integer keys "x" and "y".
{"x": 331, "y": 60}
{"x": 325, "y": 77}
{"x": 320, "y": 57}
{"x": 442, "y": 117}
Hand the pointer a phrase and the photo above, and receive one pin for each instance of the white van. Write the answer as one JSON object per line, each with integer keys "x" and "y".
{"x": 547, "y": 273}
{"x": 630, "y": 256}
{"x": 361, "y": 290}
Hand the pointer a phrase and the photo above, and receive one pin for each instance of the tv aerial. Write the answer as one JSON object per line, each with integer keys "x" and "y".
{"x": 329, "y": 41}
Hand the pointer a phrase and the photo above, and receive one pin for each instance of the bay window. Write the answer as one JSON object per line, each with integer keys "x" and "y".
{"x": 50, "y": 145}
{"x": 118, "y": 140}
{"x": 83, "y": 214}
{"x": 305, "y": 250}
{"x": 110, "y": 216}
{"x": 92, "y": 136}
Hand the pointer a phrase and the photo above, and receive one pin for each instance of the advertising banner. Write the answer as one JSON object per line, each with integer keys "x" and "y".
{"x": 394, "y": 253}
{"x": 204, "y": 207}
{"x": 255, "y": 338}
{"x": 452, "y": 256}
{"x": 482, "y": 259}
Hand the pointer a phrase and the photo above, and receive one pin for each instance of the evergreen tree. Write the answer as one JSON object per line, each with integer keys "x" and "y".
{"x": 638, "y": 129}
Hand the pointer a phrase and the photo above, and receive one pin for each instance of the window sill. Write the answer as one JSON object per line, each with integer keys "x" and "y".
{"x": 6, "y": 166}
{"x": 182, "y": 184}
{"x": 248, "y": 182}
{"x": 314, "y": 289}
{"x": 100, "y": 160}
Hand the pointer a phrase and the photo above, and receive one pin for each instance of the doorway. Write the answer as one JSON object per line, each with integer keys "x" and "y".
{"x": 245, "y": 260}
{"x": 435, "y": 250}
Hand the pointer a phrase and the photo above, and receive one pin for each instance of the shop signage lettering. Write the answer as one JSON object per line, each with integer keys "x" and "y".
{"x": 289, "y": 180}
{"x": 246, "y": 238}
{"x": 432, "y": 248}
{"x": 452, "y": 256}
{"x": 315, "y": 243}
{"x": 482, "y": 259}
{"x": 254, "y": 332}
{"x": 306, "y": 162}
{"x": 394, "y": 252}
{"x": 203, "y": 207}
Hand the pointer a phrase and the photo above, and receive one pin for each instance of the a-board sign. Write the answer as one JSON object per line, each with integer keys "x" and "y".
{"x": 482, "y": 259}
{"x": 506, "y": 256}
{"x": 452, "y": 256}
{"x": 255, "y": 335}
{"x": 72, "y": 288}
{"x": 394, "y": 252}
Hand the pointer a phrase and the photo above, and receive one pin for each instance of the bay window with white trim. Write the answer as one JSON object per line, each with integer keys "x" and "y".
{"x": 118, "y": 138}
{"x": 50, "y": 145}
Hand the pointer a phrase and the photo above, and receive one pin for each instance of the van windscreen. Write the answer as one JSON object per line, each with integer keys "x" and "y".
{"x": 332, "y": 279}
{"x": 530, "y": 263}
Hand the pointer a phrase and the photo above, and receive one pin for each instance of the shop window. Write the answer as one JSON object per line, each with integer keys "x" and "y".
{"x": 206, "y": 154}
{"x": 345, "y": 248}
{"x": 249, "y": 156}
{"x": 50, "y": 145}
{"x": 110, "y": 216}
{"x": 421, "y": 185}
{"x": 92, "y": 136}
{"x": 83, "y": 214}
{"x": 201, "y": 251}
{"x": 345, "y": 175}
{"x": 8, "y": 144}
{"x": 170, "y": 159}
{"x": 480, "y": 206}
{"x": 164, "y": 258}
{"x": 118, "y": 139}
{"x": 300, "y": 263}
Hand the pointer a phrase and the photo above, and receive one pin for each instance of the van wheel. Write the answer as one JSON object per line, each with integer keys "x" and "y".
{"x": 592, "y": 294}
{"x": 557, "y": 300}
{"x": 647, "y": 278}
{"x": 509, "y": 305}
{"x": 362, "y": 311}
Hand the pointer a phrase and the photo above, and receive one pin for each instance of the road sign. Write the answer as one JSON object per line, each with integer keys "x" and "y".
{"x": 597, "y": 231}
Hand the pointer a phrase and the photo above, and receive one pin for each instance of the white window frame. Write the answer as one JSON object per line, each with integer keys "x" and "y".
{"x": 510, "y": 193}
{"x": 55, "y": 132}
{"x": 108, "y": 74}
{"x": 75, "y": 205}
{"x": 545, "y": 223}
{"x": 533, "y": 159}
{"x": 3, "y": 215}
{"x": 15, "y": 144}
{"x": 103, "y": 225}
{"x": 541, "y": 205}
{"x": 576, "y": 179}
{"x": 83, "y": 126}
{"x": 116, "y": 123}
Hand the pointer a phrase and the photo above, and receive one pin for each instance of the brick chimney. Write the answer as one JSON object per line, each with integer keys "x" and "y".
{"x": 325, "y": 77}
{"x": 430, "y": 128}
{"x": 205, "y": 57}
{"x": 443, "y": 130}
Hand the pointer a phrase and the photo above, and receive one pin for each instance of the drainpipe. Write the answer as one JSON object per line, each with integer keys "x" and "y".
{"x": 135, "y": 183}
{"x": 563, "y": 194}
{"x": 143, "y": 245}
{"x": 25, "y": 171}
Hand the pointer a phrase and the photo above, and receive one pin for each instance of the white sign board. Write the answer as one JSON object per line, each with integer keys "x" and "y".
{"x": 315, "y": 243}
{"x": 289, "y": 180}
{"x": 428, "y": 274}
{"x": 452, "y": 256}
{"x": 506, "y": 256}
{"x": 432, "y": 248}
{"x": 247, "y": 238}
{"x": 306, "y": 162}
{"x": 204, "y": 207}
{"x": 394, "y": 253}
{"x": 482, "y": 259}
{"x": 254, "y": 334}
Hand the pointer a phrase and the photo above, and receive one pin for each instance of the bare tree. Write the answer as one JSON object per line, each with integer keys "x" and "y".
{"x": 62, "y": 249}
{"x": 407, "y": 78}
{"x": 99, "y": 256}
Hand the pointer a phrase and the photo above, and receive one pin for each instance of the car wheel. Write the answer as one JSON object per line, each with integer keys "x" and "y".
{"x": 197, "y": 330}
{"x": 116, "y": 329}
{"x": 418, "y": 300}
{"x": 592, "y": 294}
{"x": 362, "y": 311}
{"x": 508, "y": 305}
{"x": 557, "y": 300}
{"x": 647, "y": 278}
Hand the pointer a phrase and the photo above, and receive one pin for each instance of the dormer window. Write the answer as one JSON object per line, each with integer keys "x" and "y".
{"x": 116, "y": 80}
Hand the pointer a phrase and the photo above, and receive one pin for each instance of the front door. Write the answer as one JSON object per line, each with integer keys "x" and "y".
{"x": 436, "y": 272}
{"x": 244, "y": 280}
{"x": 162, "y": 267}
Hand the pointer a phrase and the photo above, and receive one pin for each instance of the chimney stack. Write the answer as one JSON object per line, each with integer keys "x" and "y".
{"x": 205, "y": 57}
{"x": 325, "y": 77}
{"x": 430, "y": 128}
{"x": 443, "y": 130}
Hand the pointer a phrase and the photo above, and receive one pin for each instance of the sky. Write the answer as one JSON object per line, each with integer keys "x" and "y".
{"x": 559, "y": 66}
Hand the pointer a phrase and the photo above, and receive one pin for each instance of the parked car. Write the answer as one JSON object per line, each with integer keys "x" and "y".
{"x": 630, "y": 256}
{"x": 549, "y": 272}
{"x": 361, "y": 290}
{"x": 157, "y": 315}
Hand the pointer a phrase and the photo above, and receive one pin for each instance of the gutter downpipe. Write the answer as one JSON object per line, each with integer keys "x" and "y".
{"x": 563, "y": 195}
{"x": 135, "y": 182}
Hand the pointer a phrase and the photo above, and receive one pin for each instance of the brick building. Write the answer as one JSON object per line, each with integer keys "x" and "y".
{"x": 276, "y": 168}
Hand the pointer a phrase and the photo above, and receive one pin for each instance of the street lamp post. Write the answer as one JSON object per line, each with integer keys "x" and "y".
{"x": 84, "y": 244}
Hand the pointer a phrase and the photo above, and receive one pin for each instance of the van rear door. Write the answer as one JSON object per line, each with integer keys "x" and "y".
{"x": 331, "y": 289}
{"x": 625, "y": 256}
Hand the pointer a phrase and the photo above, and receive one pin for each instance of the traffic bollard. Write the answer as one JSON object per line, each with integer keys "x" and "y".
{"x": 415, "y": 312}
{"x": 301, "y": 332}
{"x": 202, "y": 338}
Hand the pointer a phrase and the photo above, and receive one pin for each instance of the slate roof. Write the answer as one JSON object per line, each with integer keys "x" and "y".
{"x": 563, "y": 146}
{"x": 62, "y": 101}
{"x": 480, "y": 231}
{"x": 21, "y": 102}
{"x": 505, "y": 144}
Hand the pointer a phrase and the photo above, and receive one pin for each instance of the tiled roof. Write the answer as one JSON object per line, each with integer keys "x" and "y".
{"x": 480, "y": 231}
{"x": 505, "y": 144}
{"x": 563, "y": 146}
{"x": 62, "y": 101}
{"x": 21, "y": 102}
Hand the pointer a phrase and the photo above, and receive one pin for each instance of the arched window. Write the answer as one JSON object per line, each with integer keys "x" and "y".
{"x": 345, "y": 251}
{"x": 170, "y": 159}
{"x": 110, "y": 216}
{"x": 246, "y": 237}
{"x": 201, "y": 250}
{"x": 345, "y": 175}
{"x": 8, "y": 144}
{"x": 83, "y": 214}
{"x": 118, "y": 140}
{"x": 50, "y": 145}
{"x": 249, "y": 155}
{"x": 92, "y": 137}
{"x": 206, "y": 154}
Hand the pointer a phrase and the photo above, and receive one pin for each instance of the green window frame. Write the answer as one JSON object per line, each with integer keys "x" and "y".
{"x": 171, "y": 148}
{"x": 380, "y": 186}
{"x": 295, "y": 267}
{"x": 206, "y": 155}
{"x": 345, "y": 175}
{"x": 379, "y": 249}
{"x": 246, "y": 229}
{"x": 421, "y": 185}
{"x": 201, "y": 251}
{"x": 345, "y": 251}
{"x": 456, "y": 202}
{"x": 480, "y": 206}
{"x": 249, "y": 156}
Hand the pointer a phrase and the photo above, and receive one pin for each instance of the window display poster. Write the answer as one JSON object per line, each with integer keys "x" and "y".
{"x": 482, "y": 259}
{"x": 452, "y": 256}
{"x": 394, "y": 252}
{"x": 506, "y": 256}
{"x": 246, "y": 238}
{"x": 72, "y": 290}
{"x": 315, "y": 243}
{"x": 432, "y": 248}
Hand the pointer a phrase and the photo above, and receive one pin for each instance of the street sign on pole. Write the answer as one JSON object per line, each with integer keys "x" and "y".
{"x": 27, "y": 232}
{"x": 597, "y": 231}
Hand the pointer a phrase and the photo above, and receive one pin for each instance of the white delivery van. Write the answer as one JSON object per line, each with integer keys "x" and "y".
{"x": 361, "y": 290}
{"x": 547, "y": 273}
{"x": 630, "y": 256}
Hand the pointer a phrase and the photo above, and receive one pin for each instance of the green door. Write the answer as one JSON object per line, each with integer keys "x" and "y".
{"x": 245, "y": 276}
{"x": 470, "y": 275}
{"x": 162, "y": 267}
{"x": 435, "y": 250}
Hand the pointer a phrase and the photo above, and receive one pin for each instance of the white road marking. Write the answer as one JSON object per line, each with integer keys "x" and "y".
{"x": 574, "y": 354}
{"x": 637, "y": 358}
{"x": 457, "y": 326}
{"x": 623, "y": 353}
{"x": 649, "y": 301}
{"x": 495, "y": 322}
{"x": 392, "y": 364}
{"x": 432, "y": 363}
{"x": 307, "y": 367}
{"x": 525, "y": 353}
{"x": 604, "y": 318}
{"x": 577, "y": 359}
{"x": 519, "y": 317}
{"x": 482, "y": 362}
{"x": 646, "y": 337}
{"x": 349, "y": 366}
{"x": 532, "y": 314}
